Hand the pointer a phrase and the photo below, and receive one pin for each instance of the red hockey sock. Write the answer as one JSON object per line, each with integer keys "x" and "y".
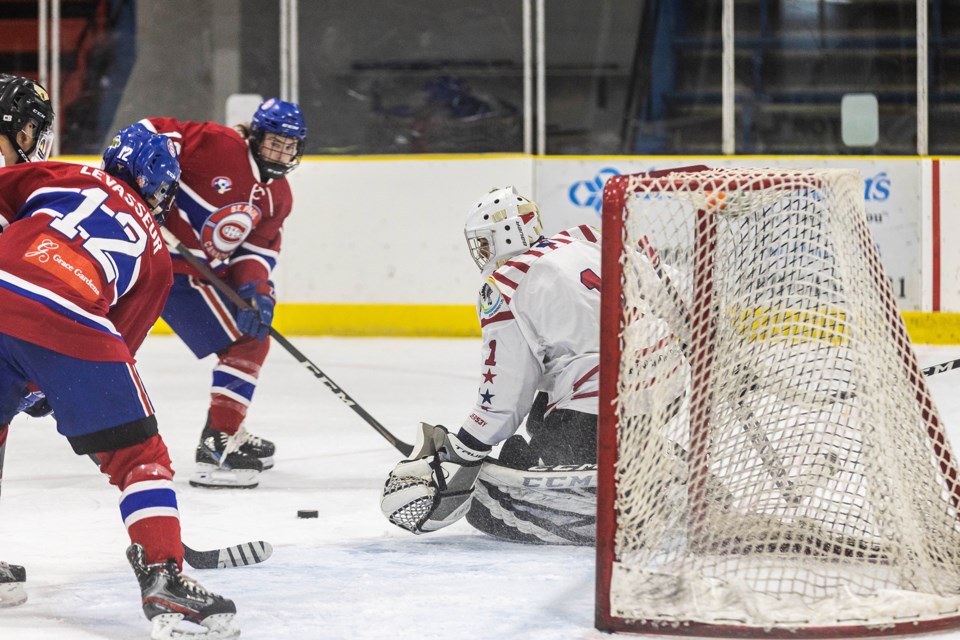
{"x": 148, "y": 503}
{"x": 234, "y": 382}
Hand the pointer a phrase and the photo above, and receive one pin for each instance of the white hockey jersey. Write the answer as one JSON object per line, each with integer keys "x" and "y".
{"x": 540, "y": 317}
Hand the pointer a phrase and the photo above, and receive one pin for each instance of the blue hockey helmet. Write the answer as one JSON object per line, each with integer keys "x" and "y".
{"x": 148, "y": 163}
{"x": 278, "y": 154}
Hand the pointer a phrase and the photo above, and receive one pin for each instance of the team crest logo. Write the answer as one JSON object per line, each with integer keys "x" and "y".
{"x": 222, "y": 184}
{"x": 227, "y": 228}
{"x": 490, "y": 298}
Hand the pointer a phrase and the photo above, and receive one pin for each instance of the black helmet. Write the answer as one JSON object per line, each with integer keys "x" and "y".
{"x": 23, "y": 101}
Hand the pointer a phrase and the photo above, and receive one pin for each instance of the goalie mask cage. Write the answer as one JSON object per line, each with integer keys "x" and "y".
{"x": 771, "y": 461}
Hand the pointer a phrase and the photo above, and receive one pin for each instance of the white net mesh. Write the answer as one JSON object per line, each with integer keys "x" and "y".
{"x": 780, "y": 462}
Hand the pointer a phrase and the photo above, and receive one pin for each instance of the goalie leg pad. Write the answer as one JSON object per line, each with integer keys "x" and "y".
{"x": 540, "y": 505}
{"x": 12, "y": 580}
{"x": 12, "y": 594}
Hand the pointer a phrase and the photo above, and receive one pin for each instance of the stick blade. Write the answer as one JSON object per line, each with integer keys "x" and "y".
{"x": 239, "y": 555}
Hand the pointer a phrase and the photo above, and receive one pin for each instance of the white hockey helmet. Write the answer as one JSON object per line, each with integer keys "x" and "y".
{"x": 502, "y": 224}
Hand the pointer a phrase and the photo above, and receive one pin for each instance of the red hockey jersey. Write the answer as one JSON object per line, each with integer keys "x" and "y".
{"x": 83, "y": 269}
{"x": 224, "y": 214}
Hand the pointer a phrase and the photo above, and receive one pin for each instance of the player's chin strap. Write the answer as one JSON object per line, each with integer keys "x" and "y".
{"x": 235, "y": 298}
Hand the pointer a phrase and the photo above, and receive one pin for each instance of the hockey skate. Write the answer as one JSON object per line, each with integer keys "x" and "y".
{"x": 12, "y": 579}
{"x": 255, "y": 446}
{"x": 171, "y": 599}
{"x": 221, "y": 464}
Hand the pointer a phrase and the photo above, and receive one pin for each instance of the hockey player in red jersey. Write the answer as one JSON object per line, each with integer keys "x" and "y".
{"x": 26, "y": 121}
{"x": 230, "y": 212}
{"x": 84, "y": 274}
{"x": 539, "y": 312}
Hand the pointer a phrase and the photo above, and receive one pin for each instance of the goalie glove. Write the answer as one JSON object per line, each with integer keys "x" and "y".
{"x": 432, "y": 490}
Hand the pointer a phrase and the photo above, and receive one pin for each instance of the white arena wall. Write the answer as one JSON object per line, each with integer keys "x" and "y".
{"x": 375, "y": 244}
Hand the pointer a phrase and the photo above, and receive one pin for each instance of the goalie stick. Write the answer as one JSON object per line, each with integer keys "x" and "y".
{"x": 751, "y": 425}
{"x": 812, "y": 539}
{"x": 239, "y": 555}
{"x": 234, "y": 297}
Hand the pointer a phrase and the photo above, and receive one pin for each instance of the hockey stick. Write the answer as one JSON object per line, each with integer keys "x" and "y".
{"x": 751, "y": 425}
{"x": 235, "y": 298}
{"x": 943, "y": 367}
{"x": 239, "y": 555}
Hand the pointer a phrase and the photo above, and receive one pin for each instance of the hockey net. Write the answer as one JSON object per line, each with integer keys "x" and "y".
{"x": 771, "y": 460}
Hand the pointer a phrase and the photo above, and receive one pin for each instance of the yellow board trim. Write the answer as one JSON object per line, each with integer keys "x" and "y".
{"x": 369, "y": 320}
{"x": 933, "y": 328}
{"x": 460, "y": 321}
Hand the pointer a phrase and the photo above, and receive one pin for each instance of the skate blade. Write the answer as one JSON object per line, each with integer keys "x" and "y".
{"x": 266, "y": 462}
{"x": 211, "y": 476}
{"x": 12, "y": 594}
{"x": 170, "y": 626}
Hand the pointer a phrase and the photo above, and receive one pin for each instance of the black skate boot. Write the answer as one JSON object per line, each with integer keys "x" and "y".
{"x": 259, "y": 448}
{"x": 222, "y": 465}
{"x": 170, "y": 598}
{"x": 12, "y": 579}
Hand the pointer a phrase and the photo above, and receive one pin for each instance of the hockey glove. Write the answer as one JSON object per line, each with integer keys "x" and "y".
{"x": 35, "y": 404}
{"x": 432, "y": 490}
{"x": 256, "y": 320}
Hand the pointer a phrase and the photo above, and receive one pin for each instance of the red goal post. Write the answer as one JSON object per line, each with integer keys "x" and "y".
{"x": 771, "y": 461}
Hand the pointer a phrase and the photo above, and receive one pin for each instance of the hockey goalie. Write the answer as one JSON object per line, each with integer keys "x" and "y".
{"x": 539, "y": 310}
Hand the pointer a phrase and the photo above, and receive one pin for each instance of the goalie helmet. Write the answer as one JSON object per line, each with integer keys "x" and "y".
{"x": 148, "y": 163}
{"x": 502, "y": 224}
{"x": 23, "y": 103}
{"x": 284, "y": 120}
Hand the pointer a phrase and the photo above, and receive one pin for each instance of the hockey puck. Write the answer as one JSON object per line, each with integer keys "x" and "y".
{"x": 307, "y": 513}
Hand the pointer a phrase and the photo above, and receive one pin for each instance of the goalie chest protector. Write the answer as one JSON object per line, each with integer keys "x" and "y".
{"x": 509, "y": 275}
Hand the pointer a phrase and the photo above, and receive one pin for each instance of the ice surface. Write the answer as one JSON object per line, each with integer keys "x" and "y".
{"x": 349, "y": 574}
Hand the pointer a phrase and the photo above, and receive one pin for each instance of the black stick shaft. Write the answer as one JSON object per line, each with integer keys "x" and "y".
{"x": 235, "y": 298}
{"x": 943, "y": 367}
